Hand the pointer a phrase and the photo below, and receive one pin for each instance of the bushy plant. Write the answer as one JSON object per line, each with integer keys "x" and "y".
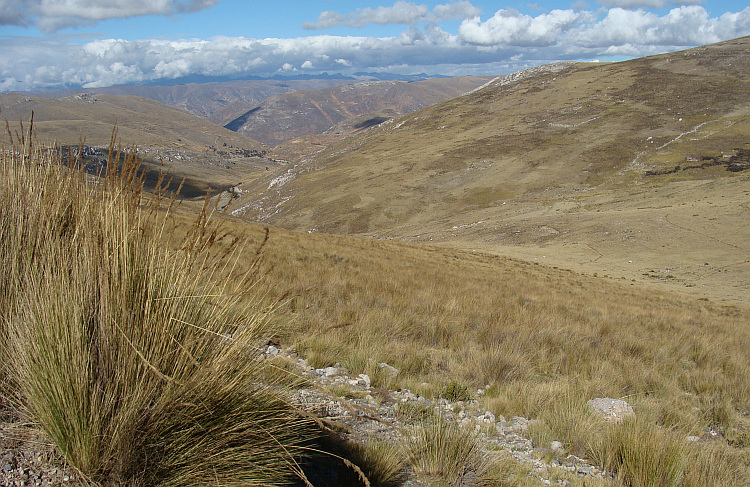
{"x": 137, "y": 359}
{"x": 454, "y": 391}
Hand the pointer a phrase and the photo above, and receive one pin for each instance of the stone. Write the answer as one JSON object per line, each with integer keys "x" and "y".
{"x": 487, "y": 417}
{"x": 556, "y": 446}
{"x": 612, "y": 410}
{"x": 328, "y": 371}
{"x": 364, "y": 380}
{"x": 519, "y": 425}
{"x": 391, "y": 371}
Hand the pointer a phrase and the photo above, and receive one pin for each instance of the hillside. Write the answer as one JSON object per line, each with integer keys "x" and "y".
{"x": 574, "y": 165}
{"x": 217, "y": 102}
{"x": 189, "y": 146}
{"x": 284, "y": 117}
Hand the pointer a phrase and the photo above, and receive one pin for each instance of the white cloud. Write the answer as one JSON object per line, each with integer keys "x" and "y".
{"x": 647, "y": 3}
{"x": 12, "y": 13}
{"x": 683, "y": 26}
{"x": 401, "y": 12}
{"x": 506, "y": 42}
{"x": 52, "y": 15}
{"x": 508, "y": 27}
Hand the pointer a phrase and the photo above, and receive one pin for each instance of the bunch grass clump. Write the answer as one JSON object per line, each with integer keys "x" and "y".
{"x": 444, "y": 450}
{"x": 137, "y": 358}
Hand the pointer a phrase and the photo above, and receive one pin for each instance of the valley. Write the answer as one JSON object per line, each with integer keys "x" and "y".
{"x": 570, "y": 165}
{"x": 386, "y": 262}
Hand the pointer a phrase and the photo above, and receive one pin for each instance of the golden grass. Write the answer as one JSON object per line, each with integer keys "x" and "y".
{"x": 445, "y": 451}
{"x": 134, "y": 359}
{"x": 540, "y": 341}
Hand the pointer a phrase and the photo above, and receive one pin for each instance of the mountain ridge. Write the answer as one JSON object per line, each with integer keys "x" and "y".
{"x": 286, "y": 116}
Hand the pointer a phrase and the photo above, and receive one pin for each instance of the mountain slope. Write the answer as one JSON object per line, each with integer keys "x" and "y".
{"x": 573, "y": 164}
{"x": 210, "y": 155}
{"x": 217, "y": 102}
{"x": 283, "y": 117}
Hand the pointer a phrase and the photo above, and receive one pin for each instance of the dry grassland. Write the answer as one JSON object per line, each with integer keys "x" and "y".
{"x": 540, "y": 341}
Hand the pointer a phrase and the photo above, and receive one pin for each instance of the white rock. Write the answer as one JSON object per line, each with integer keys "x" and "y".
{"x": 388, "y": 369}
{"x": 487, "y": 417}
{"x": 328, "y": 371}
{"x": 612, "y": 410}
{"x": 364, "y": 380}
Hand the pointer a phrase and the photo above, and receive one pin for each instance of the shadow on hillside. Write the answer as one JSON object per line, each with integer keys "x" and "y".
{"x": 95, "y": 161}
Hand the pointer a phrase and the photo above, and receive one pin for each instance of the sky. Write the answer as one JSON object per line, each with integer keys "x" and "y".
{"x": 52, "y": 44}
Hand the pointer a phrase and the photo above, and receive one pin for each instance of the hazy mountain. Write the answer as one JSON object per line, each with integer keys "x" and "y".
{"x": 636, "y": 166}
{"x": 284, "y": 117}
{"x": 218, "y": 102}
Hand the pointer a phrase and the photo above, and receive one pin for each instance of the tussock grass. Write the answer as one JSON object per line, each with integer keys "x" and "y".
{"x": 382, "y": 462}
{"x": 444, "y": 450}
{"x": 643, "y": 456}
{"x": 135, "y": 358}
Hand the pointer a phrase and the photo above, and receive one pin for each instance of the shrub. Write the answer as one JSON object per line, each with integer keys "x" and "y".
{"x": 455, "y": 391}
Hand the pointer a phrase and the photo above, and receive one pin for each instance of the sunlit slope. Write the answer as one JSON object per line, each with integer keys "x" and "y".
{"x": 209, "y": 155}
{"x": 573, "y": 164}
{"x": 139, "y": 120}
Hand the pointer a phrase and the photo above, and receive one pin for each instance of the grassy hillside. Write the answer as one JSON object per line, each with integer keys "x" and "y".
{"x": 210, "y": 156}
{"x": 540, "y": 341}
{"x": 572, "y": 164}
{"x": 100, "y": 311}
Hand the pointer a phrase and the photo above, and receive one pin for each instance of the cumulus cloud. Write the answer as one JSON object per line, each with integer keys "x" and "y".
{"x": 508, "y": 27}
{"x": 401, "y": 12}
{"x": 53, "y": 15}
{"x": 507, "y": 41}
{"x": 633, "y": 4}
{"x": 683, "y": 26}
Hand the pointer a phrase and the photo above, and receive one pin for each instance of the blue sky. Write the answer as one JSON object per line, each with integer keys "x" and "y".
{"x": 93, "y": 43}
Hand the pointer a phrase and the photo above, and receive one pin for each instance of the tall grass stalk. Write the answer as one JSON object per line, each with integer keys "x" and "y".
{"x": 138, "y": 360}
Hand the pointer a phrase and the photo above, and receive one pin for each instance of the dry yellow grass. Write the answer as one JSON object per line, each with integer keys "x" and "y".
{"x": 541, "y": 341}
{"x": 131, "y": 355}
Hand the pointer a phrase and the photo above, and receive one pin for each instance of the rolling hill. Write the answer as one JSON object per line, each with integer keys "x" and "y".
{"x": 209, "y": 155}
{"x": 284, "y": 117}
{"x": 634, "y": 169}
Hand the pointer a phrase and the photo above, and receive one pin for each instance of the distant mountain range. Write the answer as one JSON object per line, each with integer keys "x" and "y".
{"x": 221, "y": 99}
{"x": 286, "y": 116}
{"x": 209, "y": 155}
